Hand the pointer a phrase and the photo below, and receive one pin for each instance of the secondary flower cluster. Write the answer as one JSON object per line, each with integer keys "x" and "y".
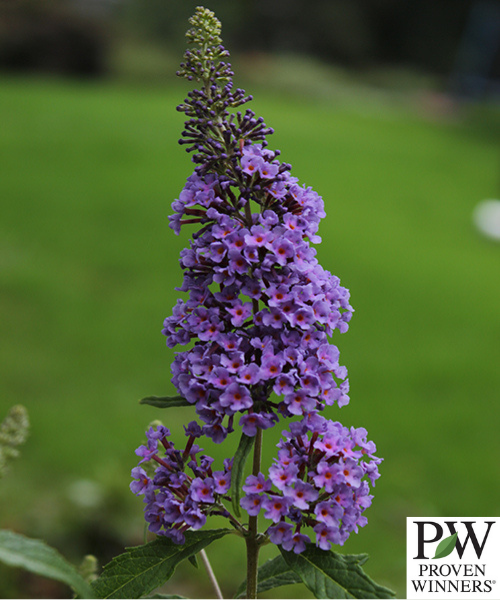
{"x": 318, "y": 482}
{"x": 176, "y": 501}
{"x": 266, "y": 328}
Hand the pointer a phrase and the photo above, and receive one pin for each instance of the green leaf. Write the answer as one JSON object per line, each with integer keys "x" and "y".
{"x": 238, "y": 469}
{"x": 446, "y": 546}
{"x": 165, "y": 596}
{"x": 142, "y": 569}
{"x": 331, "y": 575}
{"x": 272, "y": 574}
{"x": 193, "y": 560}
{"x": 34, "y": 555}
{"x": 165, "y": 401}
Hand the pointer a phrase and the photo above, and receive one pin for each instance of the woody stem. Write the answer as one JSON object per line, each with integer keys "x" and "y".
{"x": 252, "y": 544}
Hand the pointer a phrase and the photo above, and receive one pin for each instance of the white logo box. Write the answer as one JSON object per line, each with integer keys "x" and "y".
{"x": 470, "y": 569}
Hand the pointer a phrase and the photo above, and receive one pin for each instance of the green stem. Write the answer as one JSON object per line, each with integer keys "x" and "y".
{"x": 248, "y": 213}
{"x": 252, "y": 544}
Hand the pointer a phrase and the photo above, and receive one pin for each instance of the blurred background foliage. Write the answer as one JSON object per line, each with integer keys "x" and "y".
{"x": 388, "y": 109}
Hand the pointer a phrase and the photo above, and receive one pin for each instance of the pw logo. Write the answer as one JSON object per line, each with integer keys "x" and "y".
{"x": 452, "y": 558}
{"x": 429, "y": 532}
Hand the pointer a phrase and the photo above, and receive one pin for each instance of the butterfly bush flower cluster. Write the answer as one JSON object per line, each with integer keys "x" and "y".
{"x": 176, "y": 500}
{"x": 256, "y": 322}
{"x": 319, "y": 480}
{"x": 260, "y": 306}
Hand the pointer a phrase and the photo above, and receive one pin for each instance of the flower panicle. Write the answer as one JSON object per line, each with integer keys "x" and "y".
{"x": 319, "y": 481}
{"x": 174, "y": 500}
{"x": 260, "y": 307}
{"x": 259, "y": 312}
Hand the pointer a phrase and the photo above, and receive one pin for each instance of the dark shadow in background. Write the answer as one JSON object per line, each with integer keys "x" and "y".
{"x": 457, "y": 41}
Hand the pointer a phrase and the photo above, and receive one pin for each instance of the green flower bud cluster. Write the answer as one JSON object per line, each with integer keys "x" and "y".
{"x": 206, "y": 60}
{"x": 13, "y": 433}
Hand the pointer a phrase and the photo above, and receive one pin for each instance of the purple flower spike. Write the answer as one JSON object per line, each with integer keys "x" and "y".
{"x": 255, "y": 324}
{"x": 319, "y": 483}
{"x": 277, "y": 341}
{"x": 175, "y": 501}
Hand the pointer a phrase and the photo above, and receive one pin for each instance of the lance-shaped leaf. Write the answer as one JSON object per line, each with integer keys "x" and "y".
{"x": 238, "y": 469}
{"x": 34, "y": 555}
{"x": 193, "y": 560}
{"x": 272, "y": 574}
{"x": 331, "y": 575}
{"x": 142, "y": 569}
{"x": 446, "y": 546}
{"x": 166, "y": 596}
{"x": 165, "y": 401}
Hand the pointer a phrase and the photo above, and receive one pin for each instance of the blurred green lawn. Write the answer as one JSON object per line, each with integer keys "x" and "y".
{"x": 87, "y": 274}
